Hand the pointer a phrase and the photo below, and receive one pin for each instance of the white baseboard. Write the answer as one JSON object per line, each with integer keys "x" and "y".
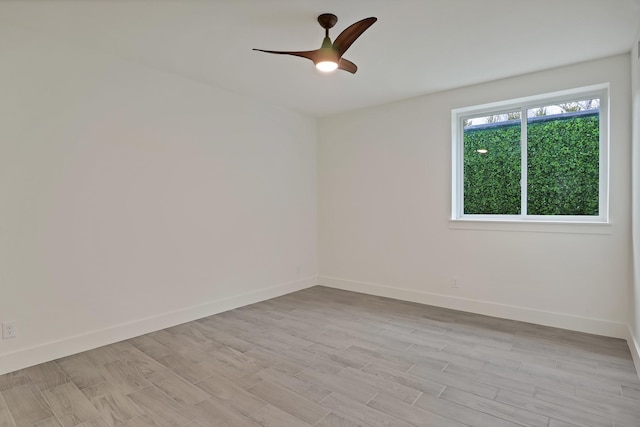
{"x": 26, "y": 357}
{"x": 488, "y": 308}
{"x": 634, "y": 347}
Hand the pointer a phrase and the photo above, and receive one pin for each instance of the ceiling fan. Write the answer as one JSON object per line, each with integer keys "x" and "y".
{"x": 329, "y": 56}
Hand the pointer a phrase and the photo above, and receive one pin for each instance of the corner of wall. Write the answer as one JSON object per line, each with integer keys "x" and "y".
{"x": 634, "y": 321}
{"x": 634, "y": 347}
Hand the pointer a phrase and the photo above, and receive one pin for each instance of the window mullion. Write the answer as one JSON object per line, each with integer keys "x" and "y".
{"x": 523, "y": 161}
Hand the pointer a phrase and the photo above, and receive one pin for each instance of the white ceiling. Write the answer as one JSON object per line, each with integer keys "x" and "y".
{"x": 416, "y": 47}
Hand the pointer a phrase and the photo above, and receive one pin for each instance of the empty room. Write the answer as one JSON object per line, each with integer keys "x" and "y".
{"x": 294, "y": 213}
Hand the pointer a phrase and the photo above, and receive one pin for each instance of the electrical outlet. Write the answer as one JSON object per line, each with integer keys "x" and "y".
{"x": 298, "y": 270}
{"x": 454, "y": 284}
{"x": 9, "y": 329}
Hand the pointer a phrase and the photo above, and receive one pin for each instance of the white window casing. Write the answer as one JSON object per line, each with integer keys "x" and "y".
{"x": 459, "y": 218}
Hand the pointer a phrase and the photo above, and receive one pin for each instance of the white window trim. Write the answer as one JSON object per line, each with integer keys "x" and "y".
{"x": 522, "y": 104}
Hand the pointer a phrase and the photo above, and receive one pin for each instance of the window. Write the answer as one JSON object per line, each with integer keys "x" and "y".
{"x": 541, "y": 158}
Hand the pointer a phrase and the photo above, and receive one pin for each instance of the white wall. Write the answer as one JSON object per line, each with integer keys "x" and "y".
{"x": 384, "y": 208}
{"x": 132, "y": 199}
{"x": 635, "y": 93}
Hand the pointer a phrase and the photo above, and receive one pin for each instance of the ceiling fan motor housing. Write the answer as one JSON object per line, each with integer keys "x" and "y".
{"x": 327, "y": 20}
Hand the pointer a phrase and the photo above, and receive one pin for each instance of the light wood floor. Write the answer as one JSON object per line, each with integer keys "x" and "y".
{"x": 328, "y": 358}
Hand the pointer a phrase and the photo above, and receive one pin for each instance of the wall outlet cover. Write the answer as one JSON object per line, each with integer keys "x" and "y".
{"x": 9, "y": 329}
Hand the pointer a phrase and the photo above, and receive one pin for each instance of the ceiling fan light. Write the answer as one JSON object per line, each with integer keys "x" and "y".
{"x": 327, "y": 66}
{"x": 327, "y": 58}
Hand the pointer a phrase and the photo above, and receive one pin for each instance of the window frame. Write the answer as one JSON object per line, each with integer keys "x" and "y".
{"x": 458, "y": 115}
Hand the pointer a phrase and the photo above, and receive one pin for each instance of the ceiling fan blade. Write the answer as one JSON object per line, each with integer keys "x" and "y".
{"x": 309, "y": 54}
{"x": 350, "y": 34}
{"x": 346, "y": 65}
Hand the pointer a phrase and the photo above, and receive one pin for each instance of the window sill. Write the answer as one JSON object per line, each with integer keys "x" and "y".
{"x": 532, "y": 226}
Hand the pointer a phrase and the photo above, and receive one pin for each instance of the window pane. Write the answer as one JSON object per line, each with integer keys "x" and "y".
{"x": 492, "y": 165}
{"x": 563, "y": 159}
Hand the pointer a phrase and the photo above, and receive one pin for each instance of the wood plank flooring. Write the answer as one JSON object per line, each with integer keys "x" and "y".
{"x": 329, "y": 358}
